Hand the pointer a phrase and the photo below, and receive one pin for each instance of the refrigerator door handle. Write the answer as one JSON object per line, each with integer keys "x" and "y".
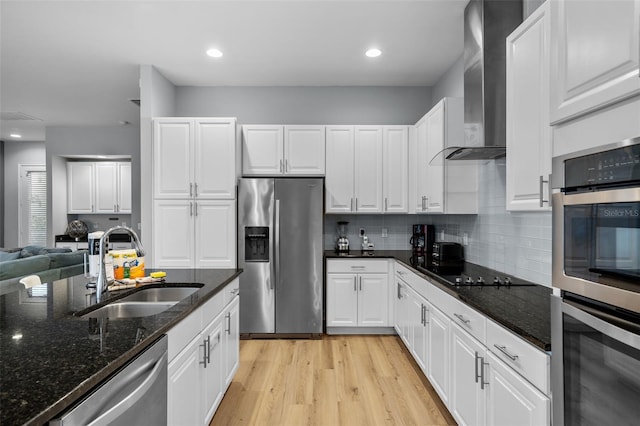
{"x": 276, "y": 251}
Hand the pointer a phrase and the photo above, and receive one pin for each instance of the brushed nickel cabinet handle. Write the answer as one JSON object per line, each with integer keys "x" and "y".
{"x": 463, "y": 319}
{"x": 504, "y": 350}
{"x": 542, "y": 182}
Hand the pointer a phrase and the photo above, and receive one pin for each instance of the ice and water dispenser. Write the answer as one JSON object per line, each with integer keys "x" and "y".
{"x": 256, "y": 244}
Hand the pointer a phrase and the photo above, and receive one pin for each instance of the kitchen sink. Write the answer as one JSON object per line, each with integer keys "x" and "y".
{"x": 143, "y": 303}
{"x": 160, "y": 294}
{"x": 129, "y": 309}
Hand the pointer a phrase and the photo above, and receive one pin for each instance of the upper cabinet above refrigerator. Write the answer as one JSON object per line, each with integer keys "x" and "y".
{"x": 594, "y": 55}
{"x": 275, "y": 150}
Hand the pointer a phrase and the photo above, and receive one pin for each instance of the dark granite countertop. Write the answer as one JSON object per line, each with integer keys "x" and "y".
{"x": 50, "y": 358}
{"x": 524, "y": 309}
{"x": 114, "y": 238}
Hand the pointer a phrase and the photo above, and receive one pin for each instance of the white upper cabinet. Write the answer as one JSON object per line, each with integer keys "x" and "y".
{"x": 368, "y": 169}
{"x": 273, "y": 150}
{"x": 339, "y": 182}
{"x": 80, "y": 187}
{"x": 442, "y": 186}
{"x": 435, "y": 164}
{"x": 528, "y": 129}
{"x": 262, "y": 150}
{"x": 172, "y": 158}
{"x": 594, "y": 55}
{"x": 194, "y": 158}
{"x": 124, "y": 187}
{"x": 304, "y": 150}
{"x": 106, "y": 187}
{"x": 395, "y": 161}
{"x": 100, "y": 187}
{"x": 214, "y": 163}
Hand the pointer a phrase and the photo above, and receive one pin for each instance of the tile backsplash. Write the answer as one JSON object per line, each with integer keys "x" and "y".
{"x": 516, "y": 243}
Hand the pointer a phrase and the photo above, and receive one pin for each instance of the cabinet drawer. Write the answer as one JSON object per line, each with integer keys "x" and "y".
{"x": 357, "y": 266}
{"x": 528, "y": 361}
{"x": 183, "y": 332}
{"x": 212, "y": 308}
{"x": 419, "y": 284}
{"x": 231, "y": 290}
{"x": 467, "y": 318}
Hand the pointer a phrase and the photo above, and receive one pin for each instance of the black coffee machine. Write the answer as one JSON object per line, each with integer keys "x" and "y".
{"x": 422, "y": 243}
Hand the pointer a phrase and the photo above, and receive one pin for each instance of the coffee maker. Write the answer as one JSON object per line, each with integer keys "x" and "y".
{"x": 422, "y": 243}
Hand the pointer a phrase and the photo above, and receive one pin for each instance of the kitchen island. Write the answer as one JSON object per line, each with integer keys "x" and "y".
{"x": 50, "y": 358}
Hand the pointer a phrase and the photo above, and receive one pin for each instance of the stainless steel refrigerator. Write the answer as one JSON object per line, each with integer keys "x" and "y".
{"x": 280, "y": 244}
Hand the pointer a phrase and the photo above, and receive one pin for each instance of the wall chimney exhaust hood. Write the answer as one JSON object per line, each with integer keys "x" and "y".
{"x": 487, "y": 23}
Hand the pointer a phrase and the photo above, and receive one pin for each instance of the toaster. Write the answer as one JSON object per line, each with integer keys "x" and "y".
{"x": 447, "y": 254}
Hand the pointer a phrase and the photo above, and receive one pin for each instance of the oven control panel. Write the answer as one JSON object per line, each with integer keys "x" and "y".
{"x": 616, "y": 166}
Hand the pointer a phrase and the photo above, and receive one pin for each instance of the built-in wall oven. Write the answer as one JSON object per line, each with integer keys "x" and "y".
{"x": 595, "y": 311}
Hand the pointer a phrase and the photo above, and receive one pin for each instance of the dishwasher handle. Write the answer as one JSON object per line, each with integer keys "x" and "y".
{"x": 127, "y": 402}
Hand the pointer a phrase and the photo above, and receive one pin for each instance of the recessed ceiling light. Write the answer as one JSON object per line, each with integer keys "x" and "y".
{"x": 214, "y": 53}
{"x": 16, "y": 135}
{"x": 373, "y": 53}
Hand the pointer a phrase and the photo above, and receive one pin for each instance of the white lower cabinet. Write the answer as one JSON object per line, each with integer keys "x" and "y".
{"x": 357, "y": 293}
{"x": 356, "y": 300}
{"x": 231, "y": 340}
{"x": 484, "y": 374}
{"x": 511, "y": 400}
{"x": 201, "y": 371}
{"x": 467, "y": 402}
{"x": 401, "y": 323}
{"x": 438, "y": 350}
{"x": 211, "y": 387}
{"x": 417, "y": 322}
{"x": 183, "y": 396}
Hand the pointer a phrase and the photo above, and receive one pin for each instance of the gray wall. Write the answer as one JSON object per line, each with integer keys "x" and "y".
{"x": 157, "y": 99}
{"x": 89, "y": 141}
{"x": 15, "y": 154}
{"x": 450, "y": 84}
{"x": 306, "y": 105}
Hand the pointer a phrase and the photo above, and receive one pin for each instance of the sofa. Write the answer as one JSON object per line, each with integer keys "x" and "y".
{"x": 49, "y": 264}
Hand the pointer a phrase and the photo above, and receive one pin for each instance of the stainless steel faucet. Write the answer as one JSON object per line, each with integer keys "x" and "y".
{"x": 101, "y": 283}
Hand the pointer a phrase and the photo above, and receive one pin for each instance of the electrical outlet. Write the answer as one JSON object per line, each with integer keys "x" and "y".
{"x": 442, "y": 235}
{"x": 362, "y": 232}
{"x": 385, "y": 233}
{"x": 465, "y": 239}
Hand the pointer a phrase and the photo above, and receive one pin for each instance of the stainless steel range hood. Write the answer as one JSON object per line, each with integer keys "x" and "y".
{"x": 487, "y": 23}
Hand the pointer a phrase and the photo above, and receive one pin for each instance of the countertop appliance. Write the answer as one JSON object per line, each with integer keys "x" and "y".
{"x": 422, "y": 239}
{"x": 447, "y": 257}
{"x": 135, "y": 395}
{"x": 280, "y": 248}
{"x": 342, "y": 242}
{"x": 595, "y": 311}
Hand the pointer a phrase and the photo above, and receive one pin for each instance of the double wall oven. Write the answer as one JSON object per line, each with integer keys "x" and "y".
{"x": 596, "y": 268}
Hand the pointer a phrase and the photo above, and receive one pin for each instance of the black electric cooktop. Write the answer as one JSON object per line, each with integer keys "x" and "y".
{"x": 469, "y": 274}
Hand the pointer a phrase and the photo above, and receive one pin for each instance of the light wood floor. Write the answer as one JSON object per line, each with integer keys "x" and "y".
{"x": 337, "y": 380}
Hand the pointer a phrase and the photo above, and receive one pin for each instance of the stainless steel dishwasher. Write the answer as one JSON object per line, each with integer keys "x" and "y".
{"x": 135, "y": 395}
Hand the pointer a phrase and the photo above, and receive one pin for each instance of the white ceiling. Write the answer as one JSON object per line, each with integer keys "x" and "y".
{"x": 75, "y": 63}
